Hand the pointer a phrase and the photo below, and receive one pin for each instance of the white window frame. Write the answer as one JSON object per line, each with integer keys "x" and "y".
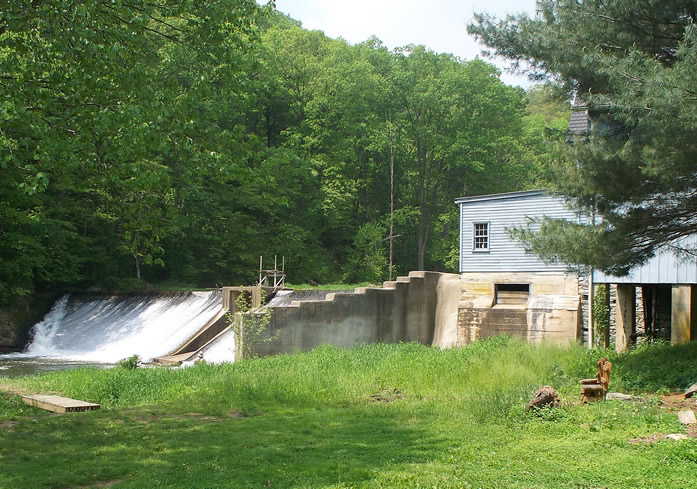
{"x": 487, "y": 236}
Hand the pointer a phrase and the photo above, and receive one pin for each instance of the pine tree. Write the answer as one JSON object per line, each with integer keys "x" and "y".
{"x": 632, "y": 63}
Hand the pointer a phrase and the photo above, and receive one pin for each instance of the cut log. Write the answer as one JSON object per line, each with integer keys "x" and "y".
{"x": 544, "y": 396}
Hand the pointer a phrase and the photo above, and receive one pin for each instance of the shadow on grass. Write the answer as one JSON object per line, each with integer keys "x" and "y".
{"x": 305, "y": 449}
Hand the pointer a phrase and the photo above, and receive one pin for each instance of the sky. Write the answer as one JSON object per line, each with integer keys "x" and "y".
{"x": 441, "y": 25}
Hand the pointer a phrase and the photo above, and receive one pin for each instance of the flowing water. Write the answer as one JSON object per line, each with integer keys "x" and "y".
{"x": 98, "y": 330}
{"x": 101, "y": 330}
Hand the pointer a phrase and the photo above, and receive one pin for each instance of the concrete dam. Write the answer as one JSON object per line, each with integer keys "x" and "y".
{"x": 179, "y": 327}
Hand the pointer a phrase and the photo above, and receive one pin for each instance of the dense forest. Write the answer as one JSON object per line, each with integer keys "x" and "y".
{"x": 176, "y": 142}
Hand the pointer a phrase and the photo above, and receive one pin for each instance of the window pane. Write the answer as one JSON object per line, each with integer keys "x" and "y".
{"x": 481, "y": 236}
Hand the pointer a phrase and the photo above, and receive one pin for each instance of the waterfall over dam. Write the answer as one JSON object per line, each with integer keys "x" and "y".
{"x": 105, "y": 329}
{"x": 177, "y": 328}
{"x": 108, "y": 328}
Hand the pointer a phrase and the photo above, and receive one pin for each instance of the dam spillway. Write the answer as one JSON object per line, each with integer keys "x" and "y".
{"x": 105, "y": 329}
{"x": 99, "y": 328}
{"x": 176, "y": 328}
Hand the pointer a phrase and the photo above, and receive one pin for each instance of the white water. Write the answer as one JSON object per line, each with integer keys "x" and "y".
{"x": 106, "y": 329}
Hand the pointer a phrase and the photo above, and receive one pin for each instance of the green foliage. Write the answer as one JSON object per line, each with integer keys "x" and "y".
{"x": 12, "y": 407}
{"x": 655, "y": 366}
{"x": 375, "y": 416}
{"x": 601, "y": 315}
{"x": 368, "y": 259}
{"x": 129, "y": 363}
{"x": 631, "y": 63}
{"x": 177, "y": 141}
{"x": 249, "y": 326}
{"x": 337, "y": 286}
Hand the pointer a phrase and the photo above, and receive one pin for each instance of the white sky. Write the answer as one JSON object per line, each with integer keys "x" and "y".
{"x": 441, "y": 25}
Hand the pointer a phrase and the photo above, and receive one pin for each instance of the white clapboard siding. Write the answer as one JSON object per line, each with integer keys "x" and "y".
{"x": 504, "y": 211}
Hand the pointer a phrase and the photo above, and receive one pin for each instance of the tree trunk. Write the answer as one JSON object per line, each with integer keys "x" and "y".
{"x": 135, "y": 255}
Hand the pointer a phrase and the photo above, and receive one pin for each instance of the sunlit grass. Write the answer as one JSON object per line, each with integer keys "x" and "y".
{"x": 378, "y": 416}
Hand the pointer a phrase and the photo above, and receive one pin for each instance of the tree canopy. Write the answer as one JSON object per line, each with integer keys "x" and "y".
{"x": 631, "y": 63}
{"x": 175, "y": 142}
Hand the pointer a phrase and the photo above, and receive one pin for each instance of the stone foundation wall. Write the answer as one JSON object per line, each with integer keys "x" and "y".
{"x": 552, "y": 311}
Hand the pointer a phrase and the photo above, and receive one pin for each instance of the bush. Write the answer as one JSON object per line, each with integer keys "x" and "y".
{"x": 129, "y": 363}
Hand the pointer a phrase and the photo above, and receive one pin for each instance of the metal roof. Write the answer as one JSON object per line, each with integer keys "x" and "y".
{"x": 503, "y": 196}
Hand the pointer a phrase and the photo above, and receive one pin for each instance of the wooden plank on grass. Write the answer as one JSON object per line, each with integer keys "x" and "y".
{"x": 58, "y": 404}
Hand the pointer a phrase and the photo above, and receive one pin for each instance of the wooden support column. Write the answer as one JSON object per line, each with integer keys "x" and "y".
{"x": 683, "y": 323}
{"x": 625, "y": 317}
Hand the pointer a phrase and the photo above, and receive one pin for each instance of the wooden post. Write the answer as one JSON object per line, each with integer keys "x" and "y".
{"x": 625, "y": 321}
{"x": 256, "y": 298}
{"x": 683, "y": 322}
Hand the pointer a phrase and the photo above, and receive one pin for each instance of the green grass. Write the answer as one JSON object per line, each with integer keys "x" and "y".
{"x": 377, "y": 416}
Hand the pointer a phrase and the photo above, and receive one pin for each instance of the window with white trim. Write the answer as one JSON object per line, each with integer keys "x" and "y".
{"x": 480, "y": 241}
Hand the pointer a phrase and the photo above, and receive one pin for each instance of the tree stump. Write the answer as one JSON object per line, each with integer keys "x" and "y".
{"x": 545, "y": 396}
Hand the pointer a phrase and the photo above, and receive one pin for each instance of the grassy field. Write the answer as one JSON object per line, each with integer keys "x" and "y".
{"x": 378, "y": 416}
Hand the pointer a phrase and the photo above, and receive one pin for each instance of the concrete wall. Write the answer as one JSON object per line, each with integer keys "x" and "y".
{"x": 437, "y": 309}
{"x": 552, "y": 311}
{"x": 421, "y": 307}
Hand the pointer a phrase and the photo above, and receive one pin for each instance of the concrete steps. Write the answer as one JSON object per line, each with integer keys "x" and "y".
{"x": 400, "y": 310}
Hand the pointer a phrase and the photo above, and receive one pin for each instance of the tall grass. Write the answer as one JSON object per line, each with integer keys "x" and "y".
{"x": 490, "y": 376}
{"x": 657, "y": 367}
{"x": 376, "y": 416}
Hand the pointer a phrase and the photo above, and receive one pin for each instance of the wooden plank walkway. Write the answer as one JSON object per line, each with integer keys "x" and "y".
{"x": 59, "y": 404}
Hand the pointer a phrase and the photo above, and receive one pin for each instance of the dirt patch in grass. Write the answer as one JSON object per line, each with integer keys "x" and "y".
{"x": 8, "y": 425}
{"x": 100, "y": 485}
{"x": 676, "y": 401}
{"x": 386, "y": 395}
{"x": 203, "y": 417}
{"x": 140, "y": 417}
{"x": 19, "y": 391}
{"x": 648, "y": 439}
